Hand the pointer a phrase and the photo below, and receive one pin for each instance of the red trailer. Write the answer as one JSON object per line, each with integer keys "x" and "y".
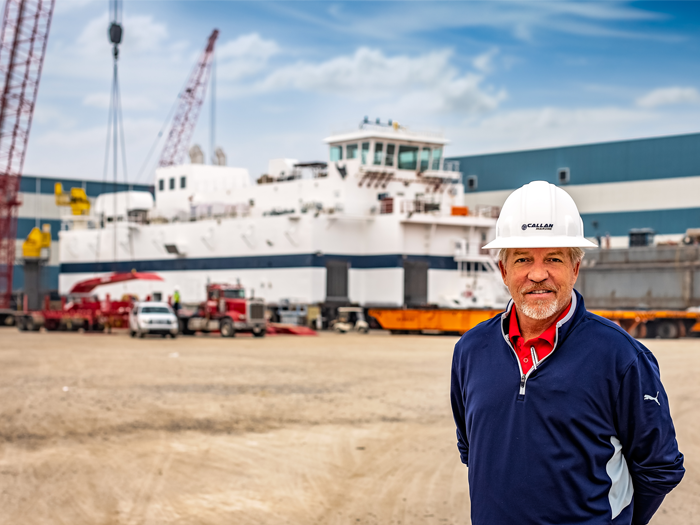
{"x": 83, "y": 310}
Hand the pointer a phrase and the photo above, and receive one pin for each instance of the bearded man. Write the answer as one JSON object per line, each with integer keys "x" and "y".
{"x": 561, "y": 415}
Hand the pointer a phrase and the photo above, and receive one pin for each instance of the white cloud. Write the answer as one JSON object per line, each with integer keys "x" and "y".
{"x": 669, "y": 95}
{"x": 553, "y": 126}
{"x": 141, "y": 35}
{"x": 524, "y": 20}
{"x": 101, "y": 100}
{"x": 250, "y": 46}
{"x": 78, "y": 151}
{"x": 245, "y": 56}
{"x": 426, "y": 82}
{"x": 484, "y": 62}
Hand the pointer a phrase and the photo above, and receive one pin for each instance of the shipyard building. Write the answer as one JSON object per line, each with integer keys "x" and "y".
{"x": 644, "y": 185}
{"x": 39, "y": 207}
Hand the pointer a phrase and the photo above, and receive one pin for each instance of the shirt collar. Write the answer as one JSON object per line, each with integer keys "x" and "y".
{"x": 547, "y": 336}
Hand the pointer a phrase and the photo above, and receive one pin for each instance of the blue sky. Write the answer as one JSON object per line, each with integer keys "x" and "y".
{"x": 492, "y": 75}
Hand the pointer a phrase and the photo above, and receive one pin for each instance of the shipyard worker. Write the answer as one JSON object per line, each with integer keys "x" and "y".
{"x": 176, "y": 299}
{"x": 561, "y": 415}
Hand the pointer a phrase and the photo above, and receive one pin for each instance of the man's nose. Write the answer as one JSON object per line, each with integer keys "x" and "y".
{"x": 538, "y": 273}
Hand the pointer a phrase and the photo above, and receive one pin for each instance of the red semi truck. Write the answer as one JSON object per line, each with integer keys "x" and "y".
{"x": 226, "y": 310}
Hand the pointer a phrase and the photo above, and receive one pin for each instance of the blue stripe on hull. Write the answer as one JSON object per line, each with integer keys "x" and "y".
{"x": 302, "y": 260}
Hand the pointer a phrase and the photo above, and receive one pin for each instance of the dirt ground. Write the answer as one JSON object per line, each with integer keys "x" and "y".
{"x": 104, "y": 429}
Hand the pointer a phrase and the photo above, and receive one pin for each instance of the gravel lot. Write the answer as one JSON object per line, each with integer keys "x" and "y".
{"x": 104, "y": 429}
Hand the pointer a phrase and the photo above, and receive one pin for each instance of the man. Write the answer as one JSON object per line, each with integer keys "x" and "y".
{"x": 561, "y": 416}
{"x": 176, "y": 300}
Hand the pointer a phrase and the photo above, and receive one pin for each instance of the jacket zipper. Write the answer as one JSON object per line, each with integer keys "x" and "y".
{"x": 535, "y": 361}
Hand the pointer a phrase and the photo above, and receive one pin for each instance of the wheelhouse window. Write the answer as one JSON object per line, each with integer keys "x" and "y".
{"x": 161, "y": 184}
{"x": 408, "y": 157}
{"x": 437, "y": 157}
{"x": 172, "y": 183}
{"x": 351, "y": 151}
{"x": 336, "y": 153}
{"x": 424, "y": 159}
{"x": 389, "y": 158}
{"x": 183, "y": 182}
{"x": 378, "y": 153}
{"x": 365, "y": 152}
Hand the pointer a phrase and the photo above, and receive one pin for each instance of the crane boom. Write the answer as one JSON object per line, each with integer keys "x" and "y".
{"x": 25, "y": 31}
{"x": 187, "y": 113}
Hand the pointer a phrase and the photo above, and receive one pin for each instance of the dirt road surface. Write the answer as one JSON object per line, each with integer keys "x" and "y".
{"x": 335, "y": 429}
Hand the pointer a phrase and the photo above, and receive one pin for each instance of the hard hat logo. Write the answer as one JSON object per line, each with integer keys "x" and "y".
{"x": 538, "y": 226}
{"x": 556, "y": 222}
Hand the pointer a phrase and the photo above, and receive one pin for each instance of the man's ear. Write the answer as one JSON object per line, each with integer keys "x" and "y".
{"x": 502, "y": 267}
{"x": 577, "y": 267}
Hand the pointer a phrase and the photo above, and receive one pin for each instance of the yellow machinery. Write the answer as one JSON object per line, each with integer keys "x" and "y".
{"x": 36, "y": 241}
{"x": 35, "y": 252}
{"x": 77, "y": 199}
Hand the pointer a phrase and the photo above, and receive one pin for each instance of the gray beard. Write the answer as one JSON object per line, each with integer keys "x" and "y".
{"x": 539, "y": 311}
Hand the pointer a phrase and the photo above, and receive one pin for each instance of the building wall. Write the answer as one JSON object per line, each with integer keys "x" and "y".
{"x": 39, "y": 207}
{"x": 646, "y": 183}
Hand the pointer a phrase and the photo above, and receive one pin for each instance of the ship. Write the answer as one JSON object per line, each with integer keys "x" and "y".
{"x": 381, "y": 222}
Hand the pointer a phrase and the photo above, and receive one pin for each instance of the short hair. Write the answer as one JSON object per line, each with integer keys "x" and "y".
{"x": 575, "y": 254}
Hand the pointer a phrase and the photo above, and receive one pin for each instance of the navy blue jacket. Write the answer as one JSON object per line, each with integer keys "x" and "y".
{"x": 585, "y": 437}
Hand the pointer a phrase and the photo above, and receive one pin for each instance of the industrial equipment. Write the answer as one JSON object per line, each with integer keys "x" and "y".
{"x": 77, "y": 199}
{"x": 191, "y": 99}
{"x": 665, "y": 324}
{"x": 35, "y": 255}
{"x": 82, "y": 310}
{"x": 25, "y": 31}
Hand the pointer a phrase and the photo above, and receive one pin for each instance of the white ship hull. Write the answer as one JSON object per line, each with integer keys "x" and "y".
{"x": 355, "y": 233}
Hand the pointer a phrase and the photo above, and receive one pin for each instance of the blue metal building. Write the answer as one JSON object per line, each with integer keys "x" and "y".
{"x": 39, "y": 207}
{"x": 618, "y": 186}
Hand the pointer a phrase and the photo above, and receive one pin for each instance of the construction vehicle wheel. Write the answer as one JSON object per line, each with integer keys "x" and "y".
{"x": 31, "y": 325}
{"x": 21, "y": 323}
{"x": 226, "y": 328}
{"x": 667, "y": 330}
{"x": 259, "y": 332}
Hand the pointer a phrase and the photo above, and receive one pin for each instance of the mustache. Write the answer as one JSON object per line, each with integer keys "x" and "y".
{"x": 537, "y": 287}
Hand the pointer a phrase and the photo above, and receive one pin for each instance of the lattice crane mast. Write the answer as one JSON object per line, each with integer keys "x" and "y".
{"x": 190, "y": 103}
{"x": 25, "y": 31}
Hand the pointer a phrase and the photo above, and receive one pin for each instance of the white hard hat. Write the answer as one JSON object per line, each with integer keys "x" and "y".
{"x": 539, "y": 215}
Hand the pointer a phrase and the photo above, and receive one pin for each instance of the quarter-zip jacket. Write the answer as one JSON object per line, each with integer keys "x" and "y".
{"x": 585, "y": 436}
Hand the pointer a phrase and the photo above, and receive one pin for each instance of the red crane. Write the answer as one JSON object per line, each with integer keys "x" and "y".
{"x": 191, "y": 100}
{"x": 25, "y": 31}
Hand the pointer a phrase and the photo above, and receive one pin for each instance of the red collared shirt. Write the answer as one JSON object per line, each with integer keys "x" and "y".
{"x": 541, "y": 346}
